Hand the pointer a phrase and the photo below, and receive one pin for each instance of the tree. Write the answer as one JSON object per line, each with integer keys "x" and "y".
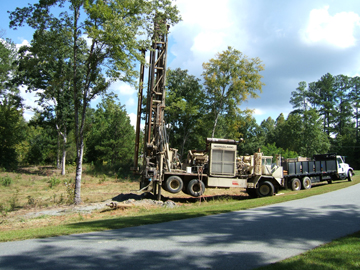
{"x": 12, "y": 131}
{"x": 43, "y": 66}
{"x": 185, "y": 110}
{"x": 355, "y": 101}
{"x": 314, "y": 140}
{"x": 268, "y": 127}
{"x": 111, "y": 137}
{"x": 252, "y": 135}
{"x": 322, "y": 95}
{"x": 115, "y": 30}
{"x": 230, "y": 78}
{"x": 344, "y": 110}
{"x": 272, "y": 150}
{"x": 300, "y": 98}
{"x": 7, "y": 70}
{"x": 12, "y": 123}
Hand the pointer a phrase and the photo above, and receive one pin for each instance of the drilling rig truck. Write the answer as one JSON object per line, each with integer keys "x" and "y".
{"x": 218, "y": 166}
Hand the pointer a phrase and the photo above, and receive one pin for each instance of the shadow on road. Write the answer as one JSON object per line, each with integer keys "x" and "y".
{"x": 232, "y": 240}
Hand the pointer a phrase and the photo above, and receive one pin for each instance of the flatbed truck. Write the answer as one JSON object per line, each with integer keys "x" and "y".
{"x": 220, "y": 167}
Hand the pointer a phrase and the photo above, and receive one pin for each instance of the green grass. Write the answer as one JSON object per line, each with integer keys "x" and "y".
{"x": 343, "y": 253}
{"x": 157, "y": 215}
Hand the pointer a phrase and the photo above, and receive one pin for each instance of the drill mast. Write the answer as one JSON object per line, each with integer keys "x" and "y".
{"x": 156, "y": 148}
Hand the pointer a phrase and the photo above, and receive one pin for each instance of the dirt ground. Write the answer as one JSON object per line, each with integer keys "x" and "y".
{"x": 39, "y": 194}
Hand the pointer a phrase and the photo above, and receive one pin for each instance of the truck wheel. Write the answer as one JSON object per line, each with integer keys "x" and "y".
{"x": 265, "y": 188}
{"x": 174, "y": 184}
{"x": 295, "y": 184}
{"x": 306, "y": 183}
{"x": 196, "y": 188}
{"x": 350, "y": 174}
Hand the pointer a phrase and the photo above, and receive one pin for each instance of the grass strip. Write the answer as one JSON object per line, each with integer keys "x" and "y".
{"x": 343, "y": 253}
{"x": 158, "y": 215}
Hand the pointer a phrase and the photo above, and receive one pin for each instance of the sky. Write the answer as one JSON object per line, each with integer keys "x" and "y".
{"x": 296, "y": 41}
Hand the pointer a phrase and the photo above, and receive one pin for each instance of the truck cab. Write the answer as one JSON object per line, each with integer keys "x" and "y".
{"x": 343, "y": 169}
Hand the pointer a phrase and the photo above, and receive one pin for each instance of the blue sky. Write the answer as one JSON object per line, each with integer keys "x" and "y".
{"x": 296, "y": 40}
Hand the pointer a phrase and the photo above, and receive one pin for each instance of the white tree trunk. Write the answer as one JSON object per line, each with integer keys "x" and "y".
{"x": 58, "y": 151}
{"x": 63, "y": 159}
{"x": 79, "y": 160}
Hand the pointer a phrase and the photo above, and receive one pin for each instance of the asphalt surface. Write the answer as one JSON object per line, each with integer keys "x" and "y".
{"x": 236, "y": 240}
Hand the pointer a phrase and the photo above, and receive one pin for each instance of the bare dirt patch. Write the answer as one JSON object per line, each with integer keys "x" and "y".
{"x": 37, "y": 197}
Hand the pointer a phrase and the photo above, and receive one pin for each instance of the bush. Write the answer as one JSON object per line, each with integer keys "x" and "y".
{"x": 53, "y": 182}
{"x": 6, "y": 181}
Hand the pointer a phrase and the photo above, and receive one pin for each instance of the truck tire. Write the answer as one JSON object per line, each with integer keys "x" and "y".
{"x": 306, "y": 183}
{"x": 174, "y": 184}
{"x": 196, "y": 188}
{"x": 265, "y": 188}
{"x": 295, "y": 184}
{"x": 350, "y": 174}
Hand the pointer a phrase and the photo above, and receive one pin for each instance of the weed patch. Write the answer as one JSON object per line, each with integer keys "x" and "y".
{"x": 6, "y": 181}
{"x": 53, "y": 182}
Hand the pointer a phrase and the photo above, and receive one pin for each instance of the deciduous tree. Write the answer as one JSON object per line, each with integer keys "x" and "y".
{"x": 106, "y": 40}
{"x": 231, "y": 78}
{"x": 185, "y": 111}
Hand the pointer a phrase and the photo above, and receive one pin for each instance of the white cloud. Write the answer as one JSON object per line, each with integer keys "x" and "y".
{"x": 208, "y": 27}
{"x": 130, "y": 102}
{"x": 258, "y": 112}
{"x": 337, "y": 30}
{"x": 132, "y": 119}
{"x": 23, "y": 43}
{"x": 30, "y": 100}
{"x": 123, "y": 88}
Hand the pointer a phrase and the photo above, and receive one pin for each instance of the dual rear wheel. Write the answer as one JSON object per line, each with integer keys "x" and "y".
{"x": 175, "y": 184}
{"x": 296, "y": 184}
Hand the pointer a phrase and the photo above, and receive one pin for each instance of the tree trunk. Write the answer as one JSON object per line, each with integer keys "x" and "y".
{"x": 58, "y": 152}
{"x": 214, "y": 127}
{"x": 79, "y": 159}
{"x": 79, "y": 145}
{"x": 63, "y": 160}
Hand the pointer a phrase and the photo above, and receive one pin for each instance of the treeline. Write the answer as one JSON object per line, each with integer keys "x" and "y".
{"x": 109, "y": 142}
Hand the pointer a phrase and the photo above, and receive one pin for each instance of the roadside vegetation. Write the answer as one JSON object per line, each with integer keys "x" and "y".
{"x": 342, "y": 253}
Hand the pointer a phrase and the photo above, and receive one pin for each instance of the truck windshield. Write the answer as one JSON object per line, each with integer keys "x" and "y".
{"x": 266, "y": 161}
{"x": 339, "y": 160}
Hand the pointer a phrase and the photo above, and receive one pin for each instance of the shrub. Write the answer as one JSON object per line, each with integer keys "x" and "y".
{"x": 6, "y": 181}
{"x": 53, "y": 182}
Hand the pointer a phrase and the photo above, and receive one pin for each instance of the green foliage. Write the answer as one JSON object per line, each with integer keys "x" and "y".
{"x": 54, "y": 181}
{"x": 111, "y": 137}
{"x": 7, "y": 69}
{"x": 6, "y": 181}
{"x": 272, "y": 150}
{"x": 332, "y": 102}
{"x": 42, "y": 143}
{"x": 12, "y": 132}
{"x": 69, "y": 189}
{"x": 252, "y": 135}
{"x": 116, "y": 31}
{"x": 230, "y": 79}
{"x": 185, "y": 111}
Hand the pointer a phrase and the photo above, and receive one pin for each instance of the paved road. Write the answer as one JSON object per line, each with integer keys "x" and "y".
{"x": 237, "y": 240}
